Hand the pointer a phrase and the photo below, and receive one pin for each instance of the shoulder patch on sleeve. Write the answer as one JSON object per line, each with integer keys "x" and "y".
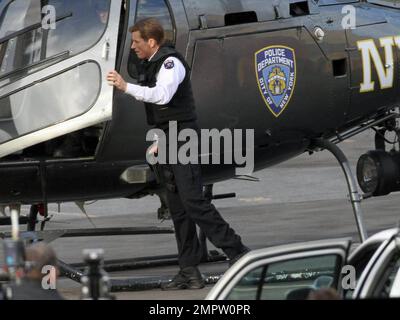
{"x": 169, "y": 64}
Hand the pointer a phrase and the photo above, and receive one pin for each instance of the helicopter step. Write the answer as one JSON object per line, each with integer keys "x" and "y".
{"x": 6, "y": 221}
{"x": 138, "y": 174}
{"x": 51, "y": 235}
{"x": 144, "y": 174}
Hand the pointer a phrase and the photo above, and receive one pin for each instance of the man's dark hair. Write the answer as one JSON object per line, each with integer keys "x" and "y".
{"x": 149, "y": 28}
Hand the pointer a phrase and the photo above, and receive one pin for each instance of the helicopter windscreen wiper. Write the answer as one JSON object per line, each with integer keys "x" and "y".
{"x": 58, "y": 56}
{"x": 31, "y": 28}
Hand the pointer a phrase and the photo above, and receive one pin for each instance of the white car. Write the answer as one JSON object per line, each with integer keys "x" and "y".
{"x": 293, "y": 271}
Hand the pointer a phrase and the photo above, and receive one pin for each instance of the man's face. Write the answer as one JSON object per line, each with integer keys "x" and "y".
{"x": 142, "y": 47}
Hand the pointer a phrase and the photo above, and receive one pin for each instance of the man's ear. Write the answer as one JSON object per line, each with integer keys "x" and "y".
{"x": 152, "y": 43}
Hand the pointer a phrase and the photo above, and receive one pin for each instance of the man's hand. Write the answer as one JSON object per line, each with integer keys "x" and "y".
{"x": 153, "y": 149}
{"x": 115, "y": 79}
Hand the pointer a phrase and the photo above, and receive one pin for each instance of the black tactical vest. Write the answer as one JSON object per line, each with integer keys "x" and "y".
{"x": 182, "y": 106}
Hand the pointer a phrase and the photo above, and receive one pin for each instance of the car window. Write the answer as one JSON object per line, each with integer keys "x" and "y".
{"x": 290, "y": 279}
{"x": 247, "y": 287}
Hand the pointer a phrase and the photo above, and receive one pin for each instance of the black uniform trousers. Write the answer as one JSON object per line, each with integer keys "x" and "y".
{"x": 189, "y": 207}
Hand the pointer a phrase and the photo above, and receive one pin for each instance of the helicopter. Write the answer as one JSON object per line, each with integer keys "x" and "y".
{"x": 287, "y": 69}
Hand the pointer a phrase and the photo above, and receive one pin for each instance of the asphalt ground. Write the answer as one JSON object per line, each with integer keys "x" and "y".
{"x": 303, "y": 199}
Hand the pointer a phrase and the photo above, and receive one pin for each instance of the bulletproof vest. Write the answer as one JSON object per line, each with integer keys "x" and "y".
{"x": 182, "y": 106}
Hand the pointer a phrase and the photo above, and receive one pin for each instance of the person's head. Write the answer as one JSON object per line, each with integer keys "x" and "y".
{"x": 147, "y": 37}
{"x": 40, "y": 255}
{"x": 102, "y": 9}
{"x": 324, "y": 294}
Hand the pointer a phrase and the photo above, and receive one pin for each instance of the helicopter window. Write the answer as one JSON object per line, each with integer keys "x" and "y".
{"x": 299, "y": 9}
{"x": 36, "y": 39}
{"x": 240, "y": 18}
{"x": 29, "y": 110}
{"x": 339, "y": 67}
{"x": 157, "y": 9}
{"x": 160, "y": 10}
{"x": 28, "y": 12}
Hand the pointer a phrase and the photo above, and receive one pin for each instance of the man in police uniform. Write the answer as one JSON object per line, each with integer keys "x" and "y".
{"x": 166, "y": 89}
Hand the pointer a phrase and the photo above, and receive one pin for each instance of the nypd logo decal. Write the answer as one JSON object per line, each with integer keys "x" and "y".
{"x": 169, "y": 64}
{"x": 276, "y": 76}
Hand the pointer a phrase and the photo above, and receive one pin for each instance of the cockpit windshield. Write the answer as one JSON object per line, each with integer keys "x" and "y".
{"x": 19, "y": 15}
{"x": 34, "y": 31}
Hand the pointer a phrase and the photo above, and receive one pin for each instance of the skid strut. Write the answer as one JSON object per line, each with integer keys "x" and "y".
{"x": 355, "y": 197}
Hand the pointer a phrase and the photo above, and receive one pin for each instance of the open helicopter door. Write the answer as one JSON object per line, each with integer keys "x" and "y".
{"x": 54, "y": 57}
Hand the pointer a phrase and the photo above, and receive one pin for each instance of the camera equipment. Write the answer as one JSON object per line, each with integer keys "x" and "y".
{"x": 95, "y": 282}
{"x": 14, "y": 256}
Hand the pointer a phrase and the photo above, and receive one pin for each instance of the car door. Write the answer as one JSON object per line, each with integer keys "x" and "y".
{"x": 381, "y": 277}
{"x": 284, "y": 272}
{"x": 53, "y": 64}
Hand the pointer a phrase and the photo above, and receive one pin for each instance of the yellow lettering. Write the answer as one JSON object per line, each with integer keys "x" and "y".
{"x": 397, "y": 41}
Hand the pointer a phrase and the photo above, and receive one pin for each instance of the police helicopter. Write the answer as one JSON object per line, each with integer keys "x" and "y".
{"x": 303, "y": 74}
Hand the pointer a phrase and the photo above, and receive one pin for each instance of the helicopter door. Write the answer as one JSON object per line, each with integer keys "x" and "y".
{"x": 53, "y": 62}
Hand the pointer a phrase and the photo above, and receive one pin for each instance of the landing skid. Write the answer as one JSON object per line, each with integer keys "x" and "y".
{"x": 75, "y": 271}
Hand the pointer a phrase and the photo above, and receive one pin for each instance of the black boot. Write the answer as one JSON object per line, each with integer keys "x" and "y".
{"x": 187, "y": 278}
